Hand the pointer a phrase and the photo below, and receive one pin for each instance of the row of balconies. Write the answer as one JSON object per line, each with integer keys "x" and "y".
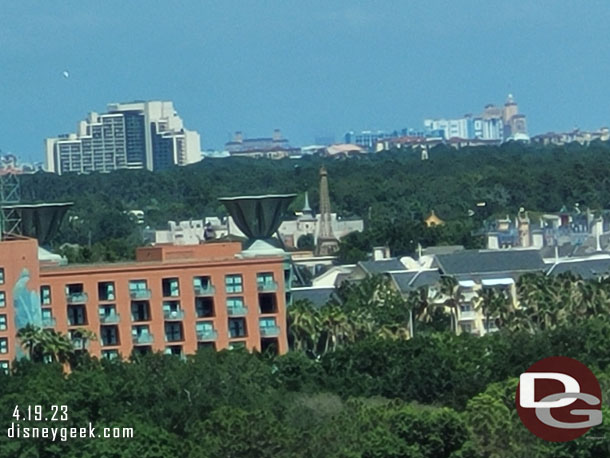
{"x": 146, "y": 294}
{"x": 208, "y": 335}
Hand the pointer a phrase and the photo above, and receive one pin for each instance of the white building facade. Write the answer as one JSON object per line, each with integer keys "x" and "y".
{"x": 133, "y": 135}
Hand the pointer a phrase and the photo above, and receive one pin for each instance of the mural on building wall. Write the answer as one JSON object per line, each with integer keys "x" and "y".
{"x": 26, "y": 303}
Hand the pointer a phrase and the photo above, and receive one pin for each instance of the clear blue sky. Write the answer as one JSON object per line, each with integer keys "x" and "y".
{"x": 311, "y": 68}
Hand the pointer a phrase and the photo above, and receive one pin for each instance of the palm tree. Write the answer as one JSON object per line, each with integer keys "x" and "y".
{"x": 494, "y": 303}
{"x": 452, "y": 295}
{"x": 31, "y": 338}
{"x": 303, "y": 326}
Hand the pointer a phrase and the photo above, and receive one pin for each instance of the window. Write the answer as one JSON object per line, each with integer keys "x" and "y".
{"x": 109, "y": 335}
{"x": 171, "y": 287}
{"x": 47, "y": 318}
{"x": 4, "y": 367}
{"x": 267, "y": 303}
{"x": 233, "y": 284}
{"x": 45, "y": 295}
{"x": 171, "y": 310}
{"x": 141, "y": 334}
{"x": 76, "y": 315}
{"x": 173, "y": 332}
{"x": 237, "y": 345}
{"x": 75, "y": 294}
{"x": 3, "y": 345}
{"x": 138, "y": 289}
{"x": 2, "y": 322}
{"x": 173, "y": 350}
{"x": 140, "y": 311}
{"x": 203, "y": 285}
{"x": 108, "y": 314}
{"x": 110, "y": 354}
{"x": 2, "y": 299}
{"x": 237, "y": 327}
{"x": 1, "y": 275}
{"x": 204, "y": 306}
{"x": 265, "y": 281}
{"x": 105, "y": 291}
{"x": 235, "y": 306}
{"x": 206, "y": 346}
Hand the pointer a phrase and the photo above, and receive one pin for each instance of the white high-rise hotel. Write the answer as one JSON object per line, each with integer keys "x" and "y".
{"x": 132, "y": 135}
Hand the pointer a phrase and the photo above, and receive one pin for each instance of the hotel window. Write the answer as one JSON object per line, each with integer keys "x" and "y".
{"x": 171, "y": 287}
{"x": 237, "y": 327}
{"x": 202, "y": 284}
{"x": 138, "y": 289}
{"x": 265, "y": 280}
{"x": 4, "y": 367}
{"x": 237, "y": 345}
{"x": 108, "y": 314}
{"x": 173, "y": 350}
{"x": 3, "y": 345}
{"x": 109, "y": 335}
{"x": 2, "y": 299}
{"x": 45, "y": 295}
{"x": 233, "y": 284}
{"x": 1, "y": 275}
{"x": 105, "y": 291}
{"x": 140, "y": 311}
{"x": 173, "y": 332}
{"x": 2, "y": 322}
{"x": 76, "y": 315}
{"x": 110, "y": 354}
{"x": 235, "y": 306}
{"x": 204, "y": 306}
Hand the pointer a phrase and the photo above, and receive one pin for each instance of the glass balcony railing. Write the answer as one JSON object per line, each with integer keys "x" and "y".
{"x": 49, "y": 322}
{"x": 80, "y": 343}
{"x": 140, "y": 294}
{"x": 267, "y": 286}
{"x": 207, "y": 335}
{"x": 270, "y": 331}
{"x": 202, "y": 291}
{"x": 112, "y": 318}
{"x": 77, "y": 298}
{"x": 142, "y": 339}
{"x": 237, "y": 311}
{"x": 173, "y": 314}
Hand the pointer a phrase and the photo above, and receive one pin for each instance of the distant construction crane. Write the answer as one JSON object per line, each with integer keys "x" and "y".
{"x": 327, "y": 244}
{"x": 10, "y": 197}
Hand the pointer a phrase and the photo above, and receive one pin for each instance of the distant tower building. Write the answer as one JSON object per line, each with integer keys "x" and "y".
{"x": 326, "y": 244}
{"x": 133, "y": 135}
{"x": 515, "y": 124}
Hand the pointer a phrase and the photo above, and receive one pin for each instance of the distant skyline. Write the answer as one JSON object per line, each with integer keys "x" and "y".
{"x": 312, "y": 69}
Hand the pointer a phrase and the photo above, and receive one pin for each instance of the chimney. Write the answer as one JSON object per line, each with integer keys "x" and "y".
{"x": 380, "y": 253}
{"x": 492, "y": 241}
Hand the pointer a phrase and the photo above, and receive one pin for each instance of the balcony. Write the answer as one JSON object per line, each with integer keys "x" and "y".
{"x": 49, "y": 322}
{"x": 77, "y": 298}
{"x": 140, "y": 294}
{"x": 207, "y": 335}
{"x": 270, "y": 331}
{"x": 173, "y": 314}
{"x": 468, "y": 315}
{"x": 237, "y": 311}
{"x": 267, "y": 287}
{"x": 112, "y": 318}
{"x": 204, "y": 291}
{"x": 142, "y": 339}
{"x": 80, "y": 343}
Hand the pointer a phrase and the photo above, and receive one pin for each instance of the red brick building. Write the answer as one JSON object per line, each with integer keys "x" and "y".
{"x": 173, "y": 299}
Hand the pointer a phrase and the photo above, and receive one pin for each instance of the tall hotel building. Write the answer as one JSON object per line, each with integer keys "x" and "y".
{"x": 137, "y": 135}
{"x": 173, "y": 299}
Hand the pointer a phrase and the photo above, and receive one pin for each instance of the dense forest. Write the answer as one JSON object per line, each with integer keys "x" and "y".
{"x": 393, "y": 191}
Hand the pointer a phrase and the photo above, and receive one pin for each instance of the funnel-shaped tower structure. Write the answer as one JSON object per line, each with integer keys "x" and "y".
{"x": 259, "y": 217}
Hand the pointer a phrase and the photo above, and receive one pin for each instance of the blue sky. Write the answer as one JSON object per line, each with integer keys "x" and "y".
{"x": 310, "y": 68}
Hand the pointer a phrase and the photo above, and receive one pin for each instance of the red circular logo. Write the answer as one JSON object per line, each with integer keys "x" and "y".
{"x": 559, "y": 399}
